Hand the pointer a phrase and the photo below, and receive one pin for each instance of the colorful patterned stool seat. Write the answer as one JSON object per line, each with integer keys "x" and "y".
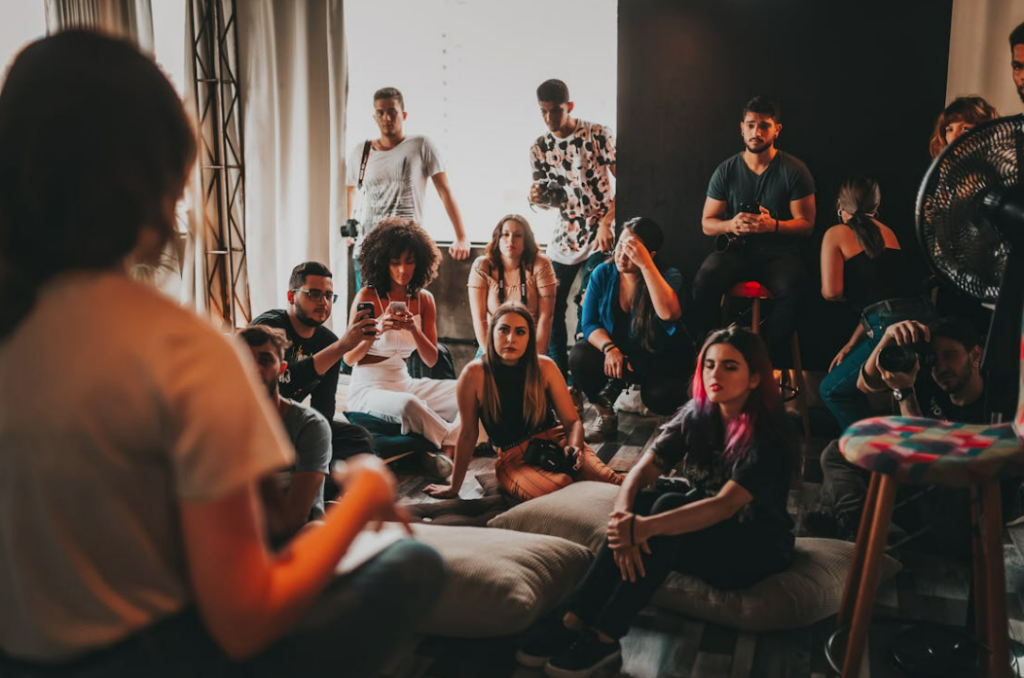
{"x": 928, "y": 451}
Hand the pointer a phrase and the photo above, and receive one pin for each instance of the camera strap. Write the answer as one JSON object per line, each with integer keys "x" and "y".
{"x": 362, "y": 163}
{"x": 501, "y": 283}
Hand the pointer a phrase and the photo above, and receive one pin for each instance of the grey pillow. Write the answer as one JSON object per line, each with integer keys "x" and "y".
{"x": 499, "y": 582}
{"x": 810, "y": 590}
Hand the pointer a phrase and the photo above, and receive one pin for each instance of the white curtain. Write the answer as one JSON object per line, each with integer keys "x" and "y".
{"x": 132, "y": 19}
{"x": 292, "y": 71}
{"x": 979, "y": 52}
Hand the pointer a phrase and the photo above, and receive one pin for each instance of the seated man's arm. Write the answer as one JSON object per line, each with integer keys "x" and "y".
{"x": 802, "y": 223}
{"x": 712, "y": 220}
{"x": 324, "y": 398}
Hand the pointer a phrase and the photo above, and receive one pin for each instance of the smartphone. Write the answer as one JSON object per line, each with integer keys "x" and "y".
{"x": 398, "y": 307}
{"x": 365, "y": 306}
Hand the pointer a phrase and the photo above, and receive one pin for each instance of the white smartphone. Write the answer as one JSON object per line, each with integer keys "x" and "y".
{"x": 398, "y": 307}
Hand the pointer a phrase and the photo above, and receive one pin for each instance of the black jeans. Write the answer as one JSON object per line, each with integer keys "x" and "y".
{"x": 348, "y": 440}
{"x": 565, "y": 274}
{"x": 353, "y": 629}
{"x": 723, "y": 555}
{"x": 664, "y": 377}
{"x": 781, "y": 272}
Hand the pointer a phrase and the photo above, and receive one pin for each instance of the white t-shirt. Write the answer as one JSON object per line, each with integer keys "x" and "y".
{"x": 117, "y": 405}
{"x": 395, "y": 181}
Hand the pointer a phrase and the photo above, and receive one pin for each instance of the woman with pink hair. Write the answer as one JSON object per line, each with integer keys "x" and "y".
{"x": 722, "y": 518}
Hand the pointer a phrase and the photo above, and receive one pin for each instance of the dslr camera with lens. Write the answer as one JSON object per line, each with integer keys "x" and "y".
{"x": 552, "y": 194}
{"x": 350, "y": 229}
{"x": 896, "y": 358}
{"x": 726, "y": 241}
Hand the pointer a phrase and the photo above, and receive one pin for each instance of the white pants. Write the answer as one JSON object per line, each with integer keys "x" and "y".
{"x": 424, "y": 406}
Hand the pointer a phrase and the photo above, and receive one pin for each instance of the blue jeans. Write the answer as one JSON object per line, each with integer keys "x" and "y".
{"x": 565, "y": 274}
{"x": 838, "y": 389}
{"x": 353, "y": 628}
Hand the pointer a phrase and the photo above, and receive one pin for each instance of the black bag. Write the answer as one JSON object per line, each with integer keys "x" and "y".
{"x": 548, "y": 456}
{"x": 444, "y": 368}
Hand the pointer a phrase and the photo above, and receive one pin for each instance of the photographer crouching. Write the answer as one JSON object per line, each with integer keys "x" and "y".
{"x": 931, "y": 372}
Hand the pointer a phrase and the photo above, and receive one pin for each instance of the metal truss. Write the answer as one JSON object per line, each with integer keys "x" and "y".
{"x": 220, "y": 209}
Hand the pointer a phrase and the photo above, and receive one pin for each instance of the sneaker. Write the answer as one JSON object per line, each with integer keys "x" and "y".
{"x": 583, "y": 658}
{"x": 601, "y": 428}
{"x": 609, "y": 393}
{"x": 630, "y": 401}
{"x": 546, "y": 640}
{"x": 436, "y": 466}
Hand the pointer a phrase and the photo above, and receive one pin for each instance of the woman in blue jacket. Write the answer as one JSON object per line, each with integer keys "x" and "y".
{"x": 632, "y": 332}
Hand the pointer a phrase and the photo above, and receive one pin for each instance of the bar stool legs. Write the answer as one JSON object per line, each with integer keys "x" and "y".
{"x": 994, "y": 591}
{"x": 865, "y": 570}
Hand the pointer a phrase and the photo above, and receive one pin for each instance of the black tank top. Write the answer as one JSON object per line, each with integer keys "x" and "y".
{"x": 867, "y": 281}
{"x": 512, "y": 429}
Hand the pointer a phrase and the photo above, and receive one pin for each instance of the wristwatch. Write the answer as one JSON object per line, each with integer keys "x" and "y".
{"x": 901, "y": 394}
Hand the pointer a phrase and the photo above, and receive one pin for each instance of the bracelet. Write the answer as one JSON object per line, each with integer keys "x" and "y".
{"x": 607, "y": 346}
{"x": 776, "y": 225}
{"x": 632, "y": 524}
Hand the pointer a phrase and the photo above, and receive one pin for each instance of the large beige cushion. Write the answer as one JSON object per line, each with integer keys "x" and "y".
{"x": 499, "y": 581}
{"x": 810, "y": 590}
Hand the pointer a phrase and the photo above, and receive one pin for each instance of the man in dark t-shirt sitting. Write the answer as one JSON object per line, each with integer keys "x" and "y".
{"x": 759, "y": 203}
{"x": 314, "y": 357}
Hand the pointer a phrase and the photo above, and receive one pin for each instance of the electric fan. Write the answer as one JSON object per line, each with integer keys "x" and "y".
{"x": 970, "y": 223}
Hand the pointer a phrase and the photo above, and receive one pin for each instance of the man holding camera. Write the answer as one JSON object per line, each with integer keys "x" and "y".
{"x": 390, "y": 176}
{"x": 951, "y": 389}
{"x": 571, "y": 167}
{"x": 759, "y": 202}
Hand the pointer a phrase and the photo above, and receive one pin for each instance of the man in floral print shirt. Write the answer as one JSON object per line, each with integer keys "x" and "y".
{"x": 571, "y": 166}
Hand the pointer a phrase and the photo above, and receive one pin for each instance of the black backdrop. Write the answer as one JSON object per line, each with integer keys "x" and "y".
{"x": 860, "y": 84}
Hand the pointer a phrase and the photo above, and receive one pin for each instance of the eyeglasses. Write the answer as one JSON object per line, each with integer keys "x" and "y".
{"x": 317, "y": 295}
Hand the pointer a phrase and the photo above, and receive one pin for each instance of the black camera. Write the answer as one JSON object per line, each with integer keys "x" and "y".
{"x": 726, "y": 241}
{"x": 548, "y": 456}
{"x": 896, "y": 358}
{"x": 350, "y": 229}
{"x": 552, "y": 194}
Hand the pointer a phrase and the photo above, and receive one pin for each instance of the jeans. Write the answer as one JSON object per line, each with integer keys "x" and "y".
{"x": 348, "y": 440}
{"x": 352, "y": 629}
{"x": 725, "y": 555}
{"x": 558, "y": 345}
{"x": 838, "y": 389}
{"x": 664, "y": 377}
{"x": 781, "y": 272}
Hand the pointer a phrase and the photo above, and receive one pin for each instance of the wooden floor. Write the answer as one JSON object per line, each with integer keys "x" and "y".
{"x": 668, "y": 645}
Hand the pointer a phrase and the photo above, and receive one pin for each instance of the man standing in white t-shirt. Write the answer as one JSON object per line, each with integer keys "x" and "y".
{"x": 571, "y": 166}
{"x": 388, "y": 176}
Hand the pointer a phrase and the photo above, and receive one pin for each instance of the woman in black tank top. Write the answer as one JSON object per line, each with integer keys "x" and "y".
{"x": 524, "y": 405}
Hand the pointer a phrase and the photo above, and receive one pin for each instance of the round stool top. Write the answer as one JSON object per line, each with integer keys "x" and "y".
{"x": 930, "y": 451}
{"x": 750, "y": 290}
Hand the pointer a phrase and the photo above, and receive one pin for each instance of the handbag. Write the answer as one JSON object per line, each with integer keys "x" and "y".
{"x": 548, "y": 456}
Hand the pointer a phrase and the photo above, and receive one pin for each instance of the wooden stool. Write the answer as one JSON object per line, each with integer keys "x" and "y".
{"x": 755, "y": 291}
{"x": 926, "y": 451}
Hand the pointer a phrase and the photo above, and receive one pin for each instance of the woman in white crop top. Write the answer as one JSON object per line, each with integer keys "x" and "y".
{"x": 398, "y": 260}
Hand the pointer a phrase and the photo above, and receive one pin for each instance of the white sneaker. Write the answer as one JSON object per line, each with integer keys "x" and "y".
{"x": 630, "y": 401}
{"x": 601, "y": 428}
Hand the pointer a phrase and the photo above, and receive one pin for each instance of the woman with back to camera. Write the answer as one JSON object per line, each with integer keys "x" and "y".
{"x": 130, "y": 455}
{"x": 398, "y": 261}
{"x": 524, "y": 405}
{"x": 862, "y": 264}
{"x": 512, "y": 269}
{"x": 632, "y": 332}
{"x": 734, "y": 447}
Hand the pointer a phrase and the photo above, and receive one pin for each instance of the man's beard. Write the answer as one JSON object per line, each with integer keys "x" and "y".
{"x": 305, "y": 319}
{"x": 762, "y": 149}
{"x": 1020, "y": 93}
{"x": 273, "y": 389}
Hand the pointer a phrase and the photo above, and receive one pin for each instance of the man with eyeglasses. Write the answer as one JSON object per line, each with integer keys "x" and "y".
{"x": 314, "y": 357}
{"x": 387, "y": 177}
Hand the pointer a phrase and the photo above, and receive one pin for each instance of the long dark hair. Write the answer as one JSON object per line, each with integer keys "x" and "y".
{"x": 860, "y": 197}
{"x": 762, "y": 415}
{"x": 530, "y": 248}
{"x": 535, "y": 400}
{"x": 94, "y": 142}
{"x": 645, "y": 318}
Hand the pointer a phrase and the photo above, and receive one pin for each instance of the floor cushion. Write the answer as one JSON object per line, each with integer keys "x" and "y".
{"x": 810, "y": 590}
{"x": 499, "y": 581}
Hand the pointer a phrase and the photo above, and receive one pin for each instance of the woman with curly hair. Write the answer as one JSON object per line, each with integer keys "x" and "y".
{"x": 962, "y": 115}
{"x": 398, "y": 260}
{"x": 512, "y": 269}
